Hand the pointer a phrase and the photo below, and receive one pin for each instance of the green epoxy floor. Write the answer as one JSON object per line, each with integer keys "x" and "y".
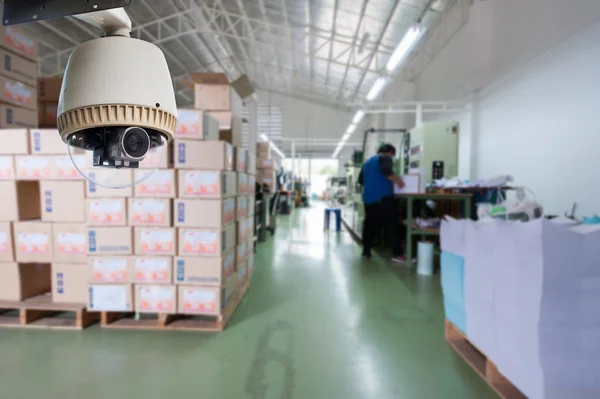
{"x": 317, "y": 322}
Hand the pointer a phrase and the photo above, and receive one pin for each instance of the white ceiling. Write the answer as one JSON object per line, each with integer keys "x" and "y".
{"x": 328, "y": 52}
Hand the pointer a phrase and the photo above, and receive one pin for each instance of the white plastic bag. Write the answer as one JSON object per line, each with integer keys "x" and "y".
{"x": 524, "y": 209}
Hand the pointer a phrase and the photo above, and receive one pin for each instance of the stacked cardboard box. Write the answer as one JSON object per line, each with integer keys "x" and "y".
{"x": 18, "y": 102}
{"x": 44, "y": 204}
{"x": 48, "y": 92}
{"x": 215, "y": 95}
{"x": 265, "y": 174}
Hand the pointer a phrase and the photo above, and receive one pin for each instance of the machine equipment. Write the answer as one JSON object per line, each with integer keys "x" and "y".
{"x": 433, "y": 150}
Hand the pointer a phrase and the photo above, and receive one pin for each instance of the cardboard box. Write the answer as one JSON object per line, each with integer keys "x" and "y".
{"x": 251, "y": 206}
{"x": 48, "y": 88}
{"x": 14, "y": 141}
{"x": 69, "y": 283}
{"x": 116, "y": 178}
{"x": 6, "y": 243}
{"x": 199, "y": 300}
{"x": 155, "y": 241}
{"x": 204, "y": 213}
{"x": 241, "y": 160}
{"x": 65, "y": 167}
{"x": 159, "y": 158}
{"x": 47, "y": 114}
{"x": 207, "y": 242}
{"x": 242, "y": 253}
{"x": 242, "y": 208}
{"x": 263, "y": 149}
{"x": 205, "y": 155}
{"x": 33, "y": 242}
{"x": 160, "y": 184}
{"x": 251, "y": 185}
{"x": 30, "y": 167}
{"x": 109, "y": 241}
{"x": 250, "y": 263}
{"x": 63, "y": 201}
{"x": 242, "y": 184}
{"x": 110, "y": 298}
{"x": 152, "y": 269}
{"x": 109, "y": 269}
{"x": 13, "y": 117}
{"x": 203, "y": 271}
{"x": 20, "y": 200}
{"x": 266, "y": 164}
{"x": 224, "y": 118}
{"x": 242, "y": 275}
{"x": 21, "y": 281}
{"x": 230, "y": 288}
{"x": 206, "y": 184}
{"x": 251, "y": 164}
{"x": 7, "y": 167}
{"x": 17, "y": 93}
{"x": 69, "y": 243}
{"x": 18, "y": 68}
{"x": 212, "y": 92}
{"x": 47, "y": 142}
{"x": 233, "y": 136}
{"x": 156, "y": 299}
{"x": 19, "y": 42}
{"x": 106, "y": 212}
{"x": 150, "y": 212}
{"x": 196, "y": 124}
{"x": 242, "y": 230}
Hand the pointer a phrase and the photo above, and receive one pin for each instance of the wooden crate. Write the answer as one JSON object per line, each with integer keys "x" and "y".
{"x": 174, "y": 321}
{"x": 41, "y": 312}
{"x": 480, "y": 363}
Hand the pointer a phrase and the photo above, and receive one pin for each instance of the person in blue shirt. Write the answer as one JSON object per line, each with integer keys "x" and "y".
{"x": 378, "y": 179}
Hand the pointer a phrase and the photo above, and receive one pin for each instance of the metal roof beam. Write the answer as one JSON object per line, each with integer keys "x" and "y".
{"x": 354, "y": 39}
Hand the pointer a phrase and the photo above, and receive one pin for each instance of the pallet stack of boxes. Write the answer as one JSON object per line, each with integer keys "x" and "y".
{"x": 179, "y": 242}
{"x": 48, "y": 92}
{"x": 266, "y": 167}
{"x": 42, "y": 226}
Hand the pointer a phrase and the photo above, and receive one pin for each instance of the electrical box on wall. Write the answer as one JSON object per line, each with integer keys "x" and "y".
{"x": 433, "y": 148}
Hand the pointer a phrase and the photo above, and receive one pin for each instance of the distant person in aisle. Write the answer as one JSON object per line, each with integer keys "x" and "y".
{"x": 378, "y": 179}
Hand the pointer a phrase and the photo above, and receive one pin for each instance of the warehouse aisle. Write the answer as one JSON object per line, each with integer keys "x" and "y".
{"x": 318, "y": 322}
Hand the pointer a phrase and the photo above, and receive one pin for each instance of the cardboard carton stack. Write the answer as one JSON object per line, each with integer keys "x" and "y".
{"x": 48, "y": 92}
{"x": 42, "y": 218}
{"x": 18, "y": 97}
{"x": 214, "y": 94}
{"x": 265, "y": 174}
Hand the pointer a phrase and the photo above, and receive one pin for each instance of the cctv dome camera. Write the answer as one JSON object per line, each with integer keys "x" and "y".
{"x": 117, "y": 101}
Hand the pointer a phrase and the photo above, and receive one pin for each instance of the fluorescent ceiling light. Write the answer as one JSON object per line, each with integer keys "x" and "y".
{"x": 346, "y": 137}
{"x": 405, "y": 46}
{"x": 376, "y": 89}
{"x": 358, "y": 117}
{"x": 264, "y": 137}
{"x": 351, "y": 129}
{"x": 272, "y": 145}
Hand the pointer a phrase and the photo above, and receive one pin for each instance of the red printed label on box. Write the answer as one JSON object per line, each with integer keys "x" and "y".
{"x": 20, "y": 41}
{"x": 151, "y": 270}
{"x": 229, "y": 265}
{"x": 159, "y": 182}
{"x": 188, "y": 123}
{"x": 37, "y": 243}
{"x": 18, "y": 93}
{"x": 199, "y": 300}
{"x": 65, "y": 166}
{"x": 149, "y": 212}
{"x": 157, "y": 242}
{"x": 155, "y": 299}
{"x": 107, "y": 212}
{"x": 4, "y": 243}
{"x": 109, "y": 270}
{"x": 229, "y": 211}
{"x": 7, "y": 168}
{"x": 201, "y": 183}
{"x": 200, "y": 242}
{"x": 33, "y": 168}
{"x": 71, "y": 243}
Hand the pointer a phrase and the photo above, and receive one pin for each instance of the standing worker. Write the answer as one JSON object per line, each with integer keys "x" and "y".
{"x": 378, "y": 179}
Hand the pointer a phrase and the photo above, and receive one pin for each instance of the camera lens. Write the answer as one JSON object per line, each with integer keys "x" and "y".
{"x": 135, "y": 142}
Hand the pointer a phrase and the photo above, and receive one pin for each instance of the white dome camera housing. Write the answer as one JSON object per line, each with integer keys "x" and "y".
{"x": 117, "y": 100}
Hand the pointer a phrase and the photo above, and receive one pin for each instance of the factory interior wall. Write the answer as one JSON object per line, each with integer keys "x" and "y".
{"x": 531, "y": 70}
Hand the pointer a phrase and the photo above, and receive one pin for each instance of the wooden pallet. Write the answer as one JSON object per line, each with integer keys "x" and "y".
{"x": 41, "y": 312}
{"x": 174, "y": 321}
{"x": 480, "y": 363}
